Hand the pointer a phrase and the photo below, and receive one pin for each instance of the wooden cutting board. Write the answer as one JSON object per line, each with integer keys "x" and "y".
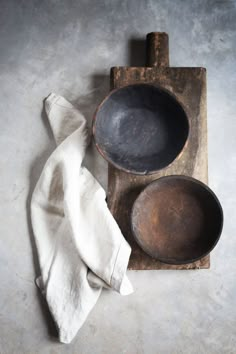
{"x": 189, "y": 87}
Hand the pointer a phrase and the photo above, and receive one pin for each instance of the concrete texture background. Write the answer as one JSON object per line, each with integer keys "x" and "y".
{"x": 68, "y": 47}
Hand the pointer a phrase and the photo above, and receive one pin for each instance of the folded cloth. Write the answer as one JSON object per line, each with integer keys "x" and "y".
{"x": 80, "y": 246}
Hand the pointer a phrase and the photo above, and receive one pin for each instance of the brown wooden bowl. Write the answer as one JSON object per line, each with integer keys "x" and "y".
{"x": 177, "y": 219}
{"x": 140, "y": 128}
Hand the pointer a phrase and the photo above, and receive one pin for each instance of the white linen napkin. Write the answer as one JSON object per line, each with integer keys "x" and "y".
{"x": 80, "y": 246}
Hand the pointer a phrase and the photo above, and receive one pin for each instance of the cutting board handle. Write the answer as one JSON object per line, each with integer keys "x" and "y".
{"x": 157, "y": 47}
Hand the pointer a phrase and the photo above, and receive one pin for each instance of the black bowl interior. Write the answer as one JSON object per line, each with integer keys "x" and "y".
{"x": 140, "y": 128}
{"x": 177, "y": 219}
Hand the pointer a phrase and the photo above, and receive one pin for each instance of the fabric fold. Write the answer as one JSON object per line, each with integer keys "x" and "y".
{"x": 80, "y": 246}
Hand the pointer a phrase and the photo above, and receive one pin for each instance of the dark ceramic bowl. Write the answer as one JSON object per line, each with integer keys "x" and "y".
{"x": 140, "y": 128}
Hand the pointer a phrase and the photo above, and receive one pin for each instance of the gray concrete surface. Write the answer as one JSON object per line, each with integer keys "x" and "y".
{"x": 68, "y": 47}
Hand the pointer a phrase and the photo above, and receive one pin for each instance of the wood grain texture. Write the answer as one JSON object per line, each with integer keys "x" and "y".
{"x": 157, "y": 49}
{"x": 188, "y": 85}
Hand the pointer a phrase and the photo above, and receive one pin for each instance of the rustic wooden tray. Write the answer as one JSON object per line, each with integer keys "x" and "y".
{"x": 189, "y": 87}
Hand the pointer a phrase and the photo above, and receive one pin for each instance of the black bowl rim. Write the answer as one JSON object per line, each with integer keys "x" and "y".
{"x": 132, "y": 171}
{"x": 206, "y": 188}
